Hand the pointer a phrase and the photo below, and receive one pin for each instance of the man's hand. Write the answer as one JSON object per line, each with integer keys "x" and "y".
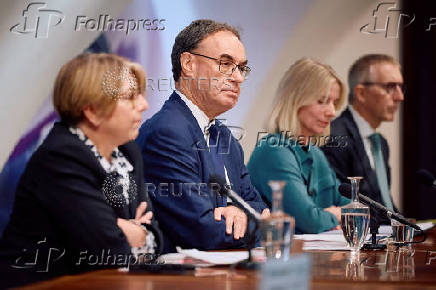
{"x": 265, "y": 214}
{"x": 235, "y": 218}
{"x": 336, "y": 211}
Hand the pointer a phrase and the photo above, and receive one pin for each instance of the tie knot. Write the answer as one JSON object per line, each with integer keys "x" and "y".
{"x": 213, "y": 129}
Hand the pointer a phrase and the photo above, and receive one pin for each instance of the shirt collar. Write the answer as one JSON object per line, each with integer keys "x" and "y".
{"x": 365, "y": 129}
{"x": 119, "y": 162}
{"x": 199, "y": 115}
{"x": 303, "y": 154}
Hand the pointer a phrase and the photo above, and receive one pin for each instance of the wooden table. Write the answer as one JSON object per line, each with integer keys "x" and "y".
{"x": 331, "y": 270}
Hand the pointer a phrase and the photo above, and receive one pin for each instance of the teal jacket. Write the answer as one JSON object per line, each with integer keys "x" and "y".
{"x": 311, "y": 184}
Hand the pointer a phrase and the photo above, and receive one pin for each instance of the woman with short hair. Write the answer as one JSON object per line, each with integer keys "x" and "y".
{"x": 81, "y": 202}
{"x": 307, "y": 99}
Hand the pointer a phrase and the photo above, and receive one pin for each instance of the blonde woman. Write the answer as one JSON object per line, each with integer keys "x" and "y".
{"x": 307, "y": 99}
{"x": 81, "y": 202}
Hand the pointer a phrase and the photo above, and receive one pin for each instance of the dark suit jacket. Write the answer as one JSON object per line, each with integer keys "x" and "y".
{"x": 346, "y": 154}
{"x": 60, "y": 212}
{"x": 177, "y": 167}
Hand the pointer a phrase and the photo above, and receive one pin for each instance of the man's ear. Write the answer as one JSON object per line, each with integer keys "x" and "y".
{"x": 360, "y": 93}
{"x": 187, "y": 64}
{"x": 92, "y": 115}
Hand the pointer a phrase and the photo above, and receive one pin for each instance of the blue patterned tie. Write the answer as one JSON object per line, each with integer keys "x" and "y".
{"x": 214, "y": 142}
{"x": 380, "y": 169}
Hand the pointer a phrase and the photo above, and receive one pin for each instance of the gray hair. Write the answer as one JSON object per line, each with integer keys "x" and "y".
{"x": 360, "y": 70}
{"x": 189, "y": 38}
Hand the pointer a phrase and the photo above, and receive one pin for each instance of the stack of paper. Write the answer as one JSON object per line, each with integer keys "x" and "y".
{"x": 334, "y": 239}
{"x": 324, "y": 241}
{"x": 202, "y": 258}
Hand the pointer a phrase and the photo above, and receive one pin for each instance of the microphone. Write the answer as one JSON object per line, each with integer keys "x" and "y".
{"x": 219, "y": 184}
{"x": 425, "y": 177}
{"x": 345, "y": 190}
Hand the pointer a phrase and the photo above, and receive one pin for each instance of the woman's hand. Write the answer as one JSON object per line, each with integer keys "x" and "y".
{"x": 336, "y": 211}
{"x": 132, "y": 229}
{"x": 134, "y": 233}
{"x": 142, "y": 218}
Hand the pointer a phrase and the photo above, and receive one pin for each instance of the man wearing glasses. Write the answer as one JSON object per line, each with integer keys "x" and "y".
{"x": 184, "y": 144}
{"x": 376, "y": 90}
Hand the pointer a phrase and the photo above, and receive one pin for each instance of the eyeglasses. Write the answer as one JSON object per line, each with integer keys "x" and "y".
{"x": 133, "y": 96}
{"x": 389, "y": 87}
{"x": 227, "y": 67}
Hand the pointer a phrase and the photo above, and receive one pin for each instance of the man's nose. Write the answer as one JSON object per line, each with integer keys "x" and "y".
{"x": 398, "y": 94}
{"x": 237, "y": 76}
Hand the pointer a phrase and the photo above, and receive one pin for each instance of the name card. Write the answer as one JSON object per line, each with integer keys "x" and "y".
{"x": 294, "y": 273}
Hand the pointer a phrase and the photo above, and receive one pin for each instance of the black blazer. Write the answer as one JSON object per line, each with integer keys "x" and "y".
{"x": 346, "y": 154}
{"x": 61, "y": 213}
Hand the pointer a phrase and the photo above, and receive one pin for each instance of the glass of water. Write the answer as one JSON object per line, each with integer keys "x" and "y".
{"x": 402, "y": 235}
{"x": 355, "y": 219}
{"x": 277, "y": 230}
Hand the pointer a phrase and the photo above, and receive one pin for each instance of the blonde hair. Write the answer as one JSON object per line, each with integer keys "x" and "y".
{"x": 79, "y": 84}
{"x": 303, "y": 84}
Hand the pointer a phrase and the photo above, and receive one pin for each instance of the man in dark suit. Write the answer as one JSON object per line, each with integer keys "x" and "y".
{"x": 184, "y": 144}
{"x": 376, "y": 90}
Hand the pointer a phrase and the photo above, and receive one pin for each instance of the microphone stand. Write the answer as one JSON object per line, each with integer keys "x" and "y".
{"x": 249, "y": 264}
{"x": 251, "y": 214}
{"x": 373, "y": 229}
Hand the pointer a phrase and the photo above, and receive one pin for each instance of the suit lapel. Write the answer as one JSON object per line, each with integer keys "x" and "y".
{"x": 365, "y": 165}
{"x": 199, "y": 143}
